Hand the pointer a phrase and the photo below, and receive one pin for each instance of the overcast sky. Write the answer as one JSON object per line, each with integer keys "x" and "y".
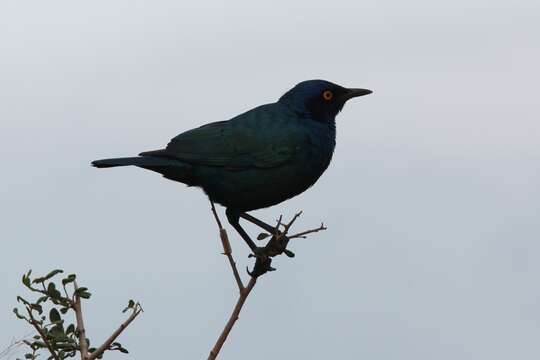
{"x": 432, "y": 199}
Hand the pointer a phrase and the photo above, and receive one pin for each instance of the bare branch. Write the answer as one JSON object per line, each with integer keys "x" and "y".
{"x": 232, "y": 319}
{"x": 81, "y": 332}
{"x": 244, "y": 291}
{"x": 227, "y": 250}
{"x": 296, "y": 216}
{"x": 41, "y": 334}
{"x": 107, "y": 344}
{"x": 275, "y": 246}
{"x": 304, "y": 233}
{"x": 8, "y": 351}
{"x": 279, "y": 223}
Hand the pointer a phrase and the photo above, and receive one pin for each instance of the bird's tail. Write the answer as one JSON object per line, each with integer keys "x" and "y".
{"x": 141, "y": 161}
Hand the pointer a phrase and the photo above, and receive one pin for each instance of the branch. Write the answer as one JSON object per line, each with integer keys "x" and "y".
{"x": 7, "y": 352}
{"x": 304, "y": 233}
{"x": 41, "y": 334}
{"x": 227, "y": 250}
{"x": 107, "y": 344}
{"x": 232, "y": 319}
{"x": 81, "y": 332}
{"x": 277, "y": 245}
{"x": 244, "y": 291}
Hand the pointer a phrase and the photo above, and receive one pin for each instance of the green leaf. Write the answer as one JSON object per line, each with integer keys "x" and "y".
{"x": 70, "y": 329}
{"x": 37, "y": 307}
{"x": 85, "y": 295}
{"x": 289, "y": 253}
{"x": 54, "y": 315}
{"x": 131, "y": 305}
{"x": 53, "y": 273}
{"x": 81, "y": 289}
{"x": 52, "y": 292}
{"x": 38, "y": 280}
{"x": 57, "y": 332}
{"x": 69, "y": 279}
{"x": 42, "y": 299}
{"x": 262, "y": 236}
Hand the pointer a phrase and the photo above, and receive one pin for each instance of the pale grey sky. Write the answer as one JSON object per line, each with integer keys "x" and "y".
{"x": 432, "y": 199}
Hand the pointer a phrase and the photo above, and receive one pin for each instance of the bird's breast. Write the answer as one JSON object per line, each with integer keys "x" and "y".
{"x": 316, "y": 154}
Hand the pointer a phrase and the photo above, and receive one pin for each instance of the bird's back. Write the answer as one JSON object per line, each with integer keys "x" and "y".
{"x": 257, "y": 159}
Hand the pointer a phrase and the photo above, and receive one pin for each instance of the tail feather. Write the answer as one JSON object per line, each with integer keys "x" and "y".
{"x": 141, "y": 161}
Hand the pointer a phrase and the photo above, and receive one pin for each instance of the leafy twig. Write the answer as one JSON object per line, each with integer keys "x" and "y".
{"x": 38, "y": 328}
{"x": 63, "y": 343}
{"x": 107, "y": 344}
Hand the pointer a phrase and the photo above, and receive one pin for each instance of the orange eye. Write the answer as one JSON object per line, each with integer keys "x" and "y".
{"x": 327, "y": 95}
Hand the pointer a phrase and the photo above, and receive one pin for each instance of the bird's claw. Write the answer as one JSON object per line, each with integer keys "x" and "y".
{"x": 262, "y": 266}
{"x": 264, "y": 255}
{"x": 258, "y": 252}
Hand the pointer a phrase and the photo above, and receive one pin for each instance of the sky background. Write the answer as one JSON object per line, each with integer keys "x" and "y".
{"x": 432, "y": 199}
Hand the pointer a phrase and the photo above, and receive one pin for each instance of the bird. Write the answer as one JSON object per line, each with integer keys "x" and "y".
{"x": 257, "y": 159}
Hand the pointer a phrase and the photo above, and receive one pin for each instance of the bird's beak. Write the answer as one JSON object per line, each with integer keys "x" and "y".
{"x": 352, "y": 93}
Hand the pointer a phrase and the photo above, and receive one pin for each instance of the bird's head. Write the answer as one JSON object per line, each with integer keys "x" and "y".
{"x": 319, "y": 100}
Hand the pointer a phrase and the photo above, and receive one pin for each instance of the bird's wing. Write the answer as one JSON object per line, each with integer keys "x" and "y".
{"x": 260, "y": 138}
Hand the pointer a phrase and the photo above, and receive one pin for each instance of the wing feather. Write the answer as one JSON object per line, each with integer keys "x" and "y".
{"x": 254, "y": 139}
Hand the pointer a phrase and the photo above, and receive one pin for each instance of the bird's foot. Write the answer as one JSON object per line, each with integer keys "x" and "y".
{"x": 258, "y": 251}
{"x": 262, "y": 266}
{"x": 277, "y": 245}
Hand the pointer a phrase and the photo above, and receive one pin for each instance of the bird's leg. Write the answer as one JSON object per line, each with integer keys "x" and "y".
{"x": 263, "y": 262}
{"x": 234, "y": 220}
{"x": 279, "y": 241}
{"x": 259, "y": 223}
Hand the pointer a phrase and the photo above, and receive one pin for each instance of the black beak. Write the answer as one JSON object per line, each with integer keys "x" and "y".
{"x": 352, "y": 93}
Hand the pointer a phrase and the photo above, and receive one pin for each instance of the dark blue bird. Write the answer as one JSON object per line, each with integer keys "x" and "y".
{"x": 259, "y": 158}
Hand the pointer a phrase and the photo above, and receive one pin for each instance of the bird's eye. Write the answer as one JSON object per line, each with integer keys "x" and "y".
{"x": 327, "y": 95}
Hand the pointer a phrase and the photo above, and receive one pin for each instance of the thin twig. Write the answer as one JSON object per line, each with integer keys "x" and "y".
{"x": 100, "y": 350}
{"x": 232, "y": 319}
{"x": 296, "y": 216}
{"x": 244, "y": 291}
{"x": 279, "y": 223}
{"x": 227, "y": 250}
{"x": 304, "y": 233}
{"x": 76, "y": 304}
{"x": 42, "y": 335}
{"x": 7, "y": 352}
{"x": 262, "y": 265}
{"x": 280, "y": 235}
